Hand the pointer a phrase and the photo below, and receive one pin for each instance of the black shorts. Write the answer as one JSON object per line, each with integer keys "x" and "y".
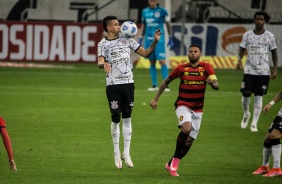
{"x": 257, "y": 84}
{"x": 276, "y": 124}
{"x": 120, "y": 97}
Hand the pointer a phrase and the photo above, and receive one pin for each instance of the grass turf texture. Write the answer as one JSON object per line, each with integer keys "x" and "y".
{"x": 59, "y": 123}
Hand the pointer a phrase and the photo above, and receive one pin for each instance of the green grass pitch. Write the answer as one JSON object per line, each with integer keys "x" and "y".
{"x": 59, "y": 123}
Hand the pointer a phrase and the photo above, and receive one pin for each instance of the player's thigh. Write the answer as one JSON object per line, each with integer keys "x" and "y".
{"x": 128, "y": 97}
{"x": 276, "y": 125}
{"x": 248, "y": 84}
{"x": 183, "y": 115}
{"x": 196, "y": 124}
{"x": 114, "y": 97}
{"x": 261, "y": 84}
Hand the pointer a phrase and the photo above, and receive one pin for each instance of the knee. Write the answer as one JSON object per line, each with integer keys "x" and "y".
{"x": 246, "y": 94}
{"x": 116, "y": 117}
{"x": 126, "y": 115}
{"x": 186, "y": 128}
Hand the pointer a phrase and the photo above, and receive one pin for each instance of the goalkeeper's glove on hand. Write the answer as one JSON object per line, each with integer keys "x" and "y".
{"x": 170, "y": 42}
{"x": 140, "y": 40}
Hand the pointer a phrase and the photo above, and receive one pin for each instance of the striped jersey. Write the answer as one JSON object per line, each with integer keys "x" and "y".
{"x": 192, "y": 84}
{"x": 117, "y": 54}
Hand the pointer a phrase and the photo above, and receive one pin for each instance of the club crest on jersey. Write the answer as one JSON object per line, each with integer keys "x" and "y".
{"x": 114, "y": 104}
{"x": 201, "y": 71}
{"x": 157, "y": 14}
{"x": 180, "y": 118}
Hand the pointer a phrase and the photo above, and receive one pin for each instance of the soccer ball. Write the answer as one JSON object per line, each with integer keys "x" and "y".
{"x": 128, "y": 29}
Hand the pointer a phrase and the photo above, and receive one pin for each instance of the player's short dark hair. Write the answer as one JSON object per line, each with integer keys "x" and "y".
{"x": 106, "y": 20}
{"x": 195, "y": 45}
{"x": 264, "y": 14}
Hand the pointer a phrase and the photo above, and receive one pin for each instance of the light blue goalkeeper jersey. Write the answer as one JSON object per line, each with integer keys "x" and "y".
{"x": 154, "y": 19}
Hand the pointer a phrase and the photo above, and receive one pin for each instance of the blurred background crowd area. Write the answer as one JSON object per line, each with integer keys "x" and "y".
{"x": 69, "y": 30}
{"x": 195, "y": 11}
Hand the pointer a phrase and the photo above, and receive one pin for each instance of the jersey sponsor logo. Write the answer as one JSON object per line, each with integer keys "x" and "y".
{"x": 193, "y": 82}
{"x": 194, "y": 73}
{"x": 122, "y": 77}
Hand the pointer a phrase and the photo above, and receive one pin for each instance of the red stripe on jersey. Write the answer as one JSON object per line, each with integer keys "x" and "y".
{"x": 192, "y": 84}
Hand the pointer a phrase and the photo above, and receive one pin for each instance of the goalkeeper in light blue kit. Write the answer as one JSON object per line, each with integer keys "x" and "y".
{"x": 154, "y": 17}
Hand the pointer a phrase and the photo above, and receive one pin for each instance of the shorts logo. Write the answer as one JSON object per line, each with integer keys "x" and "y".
{"x": 263, "y": 87}
{"x": 131, "y": 104}
{"x": 181, "y": 118}
{"x": 114, "y": 104}
{"x": 243, "y": 85}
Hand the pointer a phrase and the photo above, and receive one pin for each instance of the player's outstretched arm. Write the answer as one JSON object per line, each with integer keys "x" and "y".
{"x": 8, "y": 146}
{"x": 12, "y": 164}
{"x": 147, "y": 52}
{"x": 277, "y": 98}
{"x": 154, "y": 101}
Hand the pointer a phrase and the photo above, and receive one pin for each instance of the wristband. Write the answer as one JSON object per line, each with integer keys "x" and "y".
{"x": 272, "y": 102}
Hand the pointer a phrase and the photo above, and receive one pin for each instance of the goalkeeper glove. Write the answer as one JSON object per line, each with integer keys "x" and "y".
{"x": 170, "y": 42}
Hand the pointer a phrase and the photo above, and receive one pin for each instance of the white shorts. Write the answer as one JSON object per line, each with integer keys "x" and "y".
{"x": 185, "y": 114}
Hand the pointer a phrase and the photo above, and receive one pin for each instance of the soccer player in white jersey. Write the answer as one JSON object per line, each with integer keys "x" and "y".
{"x": 257, "y": 42}
{"x": 272, "y": 144}
{"x": 114, "y": 57}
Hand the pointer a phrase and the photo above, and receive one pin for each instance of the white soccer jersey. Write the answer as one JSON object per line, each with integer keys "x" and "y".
{"x": 117, "y": 54}
{"x": 258, "y": 47}
{"x": 280, "y": 113}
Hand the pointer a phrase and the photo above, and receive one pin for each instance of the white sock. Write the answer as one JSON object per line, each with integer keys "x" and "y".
{"x": 257, "y": 109}
{"x": 276, "y": 154}
{"x": 246, "y": 104}
{"x": 266, "y": 155}
{"x": 126, "y": 131}
{"x": 115, "y": 131}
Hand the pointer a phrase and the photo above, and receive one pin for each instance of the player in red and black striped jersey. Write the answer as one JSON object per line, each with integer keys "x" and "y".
{"x": 7, "y": 143}
{"x": 194, "y": 76}
{"x": 192, "y": 84}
